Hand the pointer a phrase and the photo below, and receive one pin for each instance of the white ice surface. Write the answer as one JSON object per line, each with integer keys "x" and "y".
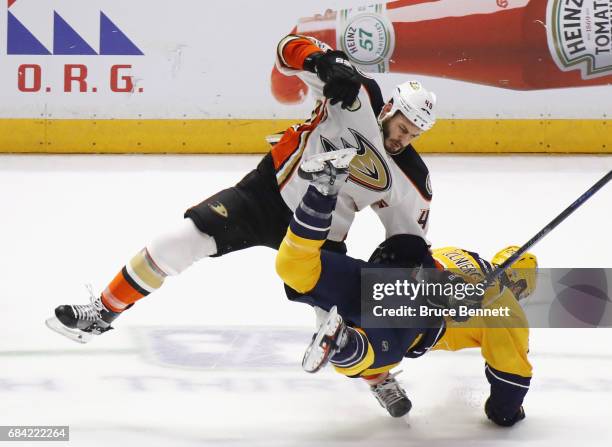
{"x": 69, "y": 220}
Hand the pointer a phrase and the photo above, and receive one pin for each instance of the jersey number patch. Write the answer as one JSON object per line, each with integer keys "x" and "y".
{"x": 423, "y": 218}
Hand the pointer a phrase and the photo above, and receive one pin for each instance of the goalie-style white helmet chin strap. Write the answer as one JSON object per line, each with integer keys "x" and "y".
{"x": 416, "y": 103}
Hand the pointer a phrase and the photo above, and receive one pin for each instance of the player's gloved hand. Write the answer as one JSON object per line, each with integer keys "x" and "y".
{"x": 500, "y": 419}
{"x": 448, "y": 282}
{"x": 341, "y": 79}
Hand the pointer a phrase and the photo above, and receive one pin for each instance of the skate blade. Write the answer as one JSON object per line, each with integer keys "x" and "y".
{"x": 316, "y": 356}
{"x": 313, "y": 359}
{"x": 341, "y": 159}
{"x": 73, "y": 334}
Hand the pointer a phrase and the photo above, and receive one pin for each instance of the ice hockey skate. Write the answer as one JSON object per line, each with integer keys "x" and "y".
{"x": 331, "y": 336}
{"x": 327, "y": 171}
{"x": 81, "y": 322}
{"x": 391, "y": 396}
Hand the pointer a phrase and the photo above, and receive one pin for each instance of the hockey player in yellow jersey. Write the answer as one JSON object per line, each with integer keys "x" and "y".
{"x": 331, "y": 281}
{"x": 504, "y": 343}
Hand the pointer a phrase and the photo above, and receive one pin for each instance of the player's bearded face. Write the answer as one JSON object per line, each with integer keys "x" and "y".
{"x": 398, "y": 132}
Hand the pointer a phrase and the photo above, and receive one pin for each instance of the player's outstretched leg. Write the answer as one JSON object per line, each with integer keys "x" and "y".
{"x": 389, "y": 393}
{"x": 80, "y": 322}
{"x": 169, "y": 254}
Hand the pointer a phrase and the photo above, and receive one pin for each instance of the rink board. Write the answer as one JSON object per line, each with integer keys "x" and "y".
{"x": 245, "y": 136}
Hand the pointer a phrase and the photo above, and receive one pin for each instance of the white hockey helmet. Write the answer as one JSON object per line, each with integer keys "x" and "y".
{"x": 416, "y": 103}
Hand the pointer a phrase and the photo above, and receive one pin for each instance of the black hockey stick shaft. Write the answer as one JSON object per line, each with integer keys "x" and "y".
{"x": 548, "y": 228}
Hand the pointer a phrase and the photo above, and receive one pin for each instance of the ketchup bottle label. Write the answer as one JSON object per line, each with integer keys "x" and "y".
{"x": 580, "y": 36}
{"x": 516, "y": 44}
{"x": 366, "y": 36}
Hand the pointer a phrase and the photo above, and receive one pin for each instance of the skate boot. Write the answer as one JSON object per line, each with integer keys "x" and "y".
{"x": 327, "y": 171}
{"x": 331, "y": 336}
{"x": 391, "y": 396}
{"x": 80, "y": 322}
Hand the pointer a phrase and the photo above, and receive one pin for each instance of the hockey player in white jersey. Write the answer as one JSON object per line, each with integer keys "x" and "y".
{"x": 386, "y": 174}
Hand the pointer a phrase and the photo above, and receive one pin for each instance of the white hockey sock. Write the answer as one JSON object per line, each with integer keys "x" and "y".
{"x": 180, "y": 247}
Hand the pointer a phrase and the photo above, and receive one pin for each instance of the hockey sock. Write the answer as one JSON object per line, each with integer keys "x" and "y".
{"x": 137, "y": 279}
{"x": 169, "y": 254}
{"x": 354, "y": 352}
{"x": 298, "y": 261}
{"x": 312, "y": 218}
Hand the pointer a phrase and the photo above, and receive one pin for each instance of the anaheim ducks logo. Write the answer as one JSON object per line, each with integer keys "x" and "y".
{"x": 368, "y": 168}
{"x": 218, "y": 208}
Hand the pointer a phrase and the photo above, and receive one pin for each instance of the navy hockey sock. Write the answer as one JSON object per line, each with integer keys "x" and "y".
{"x": 312, "y": 218}
{"x": 355, "y": 350}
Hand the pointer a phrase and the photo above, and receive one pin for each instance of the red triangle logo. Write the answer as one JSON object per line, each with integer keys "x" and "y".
{"x": 10, "y": 2}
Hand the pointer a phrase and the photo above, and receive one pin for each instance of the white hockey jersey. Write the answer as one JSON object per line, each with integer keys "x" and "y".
{"x": 397, "y": 187}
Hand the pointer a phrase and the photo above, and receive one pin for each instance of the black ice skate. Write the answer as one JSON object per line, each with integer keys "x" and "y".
{"x": 391, "y": 396}
{"x": 80, "y": 322}
{"x": 331, "y": 336}
{"x": 327, "y": 171}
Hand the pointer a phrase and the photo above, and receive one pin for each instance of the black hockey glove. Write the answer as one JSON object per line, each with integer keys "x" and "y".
{"x": 503, "y": 421}
{"x": 450, "y": 293}
{"x": 341, "y": 79}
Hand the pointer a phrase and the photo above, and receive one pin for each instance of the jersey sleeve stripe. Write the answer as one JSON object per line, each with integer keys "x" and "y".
{"x": 287, "y": 153}
{"x": 293, "y": 50}
{"x": 414, "y": 169}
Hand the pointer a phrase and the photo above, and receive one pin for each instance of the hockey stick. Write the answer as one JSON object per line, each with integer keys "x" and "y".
{"x": 495, "y": 274}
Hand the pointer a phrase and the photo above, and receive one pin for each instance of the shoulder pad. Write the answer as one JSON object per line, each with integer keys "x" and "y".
{"x": 413, "y": 166}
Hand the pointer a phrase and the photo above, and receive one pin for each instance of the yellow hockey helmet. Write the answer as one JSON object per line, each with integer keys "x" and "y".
{"x": 522, "y": 274}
